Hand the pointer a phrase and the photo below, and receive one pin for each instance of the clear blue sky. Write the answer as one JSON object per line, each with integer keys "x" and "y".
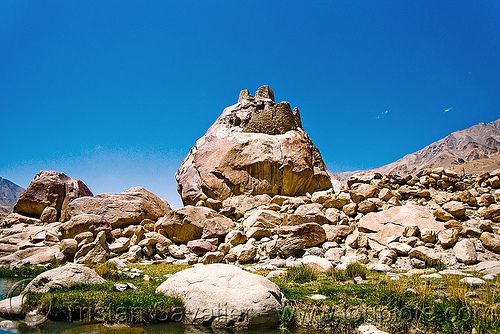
{"x": 115, "y": 93}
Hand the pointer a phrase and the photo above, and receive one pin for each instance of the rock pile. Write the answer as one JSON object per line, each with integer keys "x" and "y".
{"x": 416, "y": 221}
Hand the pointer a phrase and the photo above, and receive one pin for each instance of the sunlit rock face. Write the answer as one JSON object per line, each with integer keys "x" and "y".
{"x": 255, "y": 147}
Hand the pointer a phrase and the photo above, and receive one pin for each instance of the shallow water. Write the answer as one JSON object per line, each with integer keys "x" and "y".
{"x": 13, "y": 287}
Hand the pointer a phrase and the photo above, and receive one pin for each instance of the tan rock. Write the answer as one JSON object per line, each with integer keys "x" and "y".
{"x": 96, "y": 252}
{"x": 291, "y": 246}
{"x": 454, "y": 224}
{"x": 317, "y": 263}
{"x": 212, "y": 257}
{"x": 429, "y": 256}
{"x": 427, "y": 235}
{"x": 333, "y": 216}
{"x": 356, "y": 240}
{"x": 338, "y": 200}
{"x": 400, "y": 248}
{"x": 50, "y": 189}
{"x": 262, "y": 218}
{"x": 130, "y": 207}
{"x": 492, "y": 212}
{"x": 245, "y": 203}
{"x": 350, "y": 209}
{"x": 367, "y": 206}
{"x": 258, "y": 233}
{"x": 314, "y": 234}
{"x": 187, "y": 223}
{"x": 49, "y": 215}
{"x": 244, "y": 253}
{"x": 465, "y": 251}
{"x": 235, "y": 238}
{"x": 491, "y": 241}
{"x": 442, "y": 214}
{"x": 367, "y": 190}
{"x": 213, "y": 229}
{"x": 448, "y": 237}
{"x": 120, "y": 245}
{"x": 335, "y": 253}
{"x": 455, "y": 208}
{"x": 337, "y": 232}
{"x": 200, "y": 247}
{"x": 69, "y": 246}
{"x": 411, "y": 231}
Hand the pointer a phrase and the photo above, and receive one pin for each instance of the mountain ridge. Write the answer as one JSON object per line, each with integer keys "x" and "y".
{"x": 480, "y": 143}
{"x": 9, "y": 191}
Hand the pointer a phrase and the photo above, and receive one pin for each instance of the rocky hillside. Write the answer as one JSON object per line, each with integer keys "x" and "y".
{"x": 481, "y": 141}
{"x": 9, "y": 192}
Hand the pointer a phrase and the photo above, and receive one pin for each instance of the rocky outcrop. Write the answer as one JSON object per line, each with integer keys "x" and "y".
{"x": 255, "y": 147}
{"x": 120, "y": 210}
{"x": 225, "y": 296}
{"x": 50, "y": 189}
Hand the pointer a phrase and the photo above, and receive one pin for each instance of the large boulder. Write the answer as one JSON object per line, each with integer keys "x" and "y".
{"x": 187, "y": 223}
{"x": 52, "y": 189}
{"x": 383, "y": 226}
{"x": 254, "y": 147}
{"x": 121, "y": 210}
{"x": 223, "y": 295}
{"x": 63, "y": 277}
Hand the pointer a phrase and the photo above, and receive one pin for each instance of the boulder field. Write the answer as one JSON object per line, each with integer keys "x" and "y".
{"x": 420, "y": 220}
{"x": 257, "y": 192}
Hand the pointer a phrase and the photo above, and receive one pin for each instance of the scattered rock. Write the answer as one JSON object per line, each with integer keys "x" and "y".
{"x": 429, "y": 256}
{"x": 472, "y": 281}
{"x": 465, "y": 251}
{"x": 317, "y": 263}
{"x": 491, "y": 241}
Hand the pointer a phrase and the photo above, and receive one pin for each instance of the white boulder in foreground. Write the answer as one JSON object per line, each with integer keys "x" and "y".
{"x": 223, "y": 295}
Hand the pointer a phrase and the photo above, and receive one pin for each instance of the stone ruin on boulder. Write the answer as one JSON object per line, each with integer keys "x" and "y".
{"x": 255, "y": 147}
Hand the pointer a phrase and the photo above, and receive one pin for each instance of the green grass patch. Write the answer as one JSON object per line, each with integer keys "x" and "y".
{"x": 431, "y": 305}
{"x": 352, "y": 270}
{"x": 301, "y": 274}
{"x": 22, "y": 272}
{"x": 99, "y": 302}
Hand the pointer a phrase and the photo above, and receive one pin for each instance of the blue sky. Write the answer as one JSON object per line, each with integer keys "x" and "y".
{"x": 115, "y": 93}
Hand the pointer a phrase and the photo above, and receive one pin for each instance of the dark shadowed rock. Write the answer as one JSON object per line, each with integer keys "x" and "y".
{"x": 50, "y": 188}
{"x": 254, "y": 147}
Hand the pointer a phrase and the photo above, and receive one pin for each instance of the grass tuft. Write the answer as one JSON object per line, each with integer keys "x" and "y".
{"x": 301, "y": 274}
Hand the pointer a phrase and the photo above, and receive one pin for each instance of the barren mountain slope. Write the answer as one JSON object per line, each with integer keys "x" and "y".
{"x": 480, "y": 141}
{"x": 9, "y": 192}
